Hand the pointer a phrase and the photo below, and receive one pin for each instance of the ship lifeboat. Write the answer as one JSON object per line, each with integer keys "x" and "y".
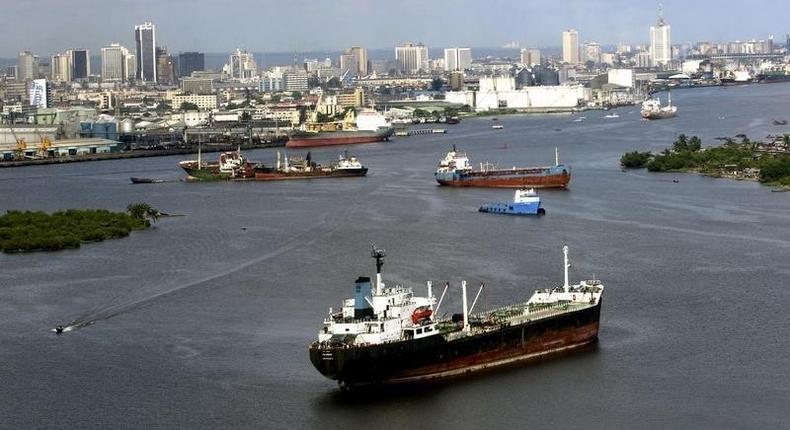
{"x": 421, "y": 314}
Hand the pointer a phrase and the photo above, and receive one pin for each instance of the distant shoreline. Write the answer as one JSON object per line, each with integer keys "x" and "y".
{"x": 138, "y": 153}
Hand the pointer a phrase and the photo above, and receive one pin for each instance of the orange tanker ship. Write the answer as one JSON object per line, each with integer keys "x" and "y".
{"x": 455, "y": 171}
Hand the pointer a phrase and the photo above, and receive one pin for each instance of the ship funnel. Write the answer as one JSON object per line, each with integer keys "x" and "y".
{"x": 378, "y": 254}
{"x": 362, "y": 290}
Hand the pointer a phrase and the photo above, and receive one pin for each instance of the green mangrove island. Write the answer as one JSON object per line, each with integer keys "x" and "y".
{"x": 28, "y": 231}
{"x": 767, "y": 162}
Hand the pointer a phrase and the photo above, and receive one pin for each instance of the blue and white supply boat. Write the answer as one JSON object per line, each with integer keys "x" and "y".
{"x": 525, "y": 202}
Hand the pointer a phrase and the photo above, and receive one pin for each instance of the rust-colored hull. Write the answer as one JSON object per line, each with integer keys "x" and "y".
{"x": 338, "y": 138}
{"x": 560, "y": 180}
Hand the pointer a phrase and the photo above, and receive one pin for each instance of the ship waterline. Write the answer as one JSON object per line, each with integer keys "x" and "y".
{"x": 388, "y": 335}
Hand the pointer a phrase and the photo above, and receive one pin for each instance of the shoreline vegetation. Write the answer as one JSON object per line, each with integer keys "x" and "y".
{"x": 31, "y": 231}
{"x": 768, "y": 163}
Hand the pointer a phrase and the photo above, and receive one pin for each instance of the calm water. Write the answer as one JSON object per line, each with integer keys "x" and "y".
{"x": 200, "y": 323}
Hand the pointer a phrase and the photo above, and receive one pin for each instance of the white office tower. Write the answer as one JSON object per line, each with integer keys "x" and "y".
{"x": 412, "y": 58}
{"x": 660, "y": 41}
{"x": 457, "y": 59}
{"x": 570, "y": 47}
{"x": 114, "y": 62}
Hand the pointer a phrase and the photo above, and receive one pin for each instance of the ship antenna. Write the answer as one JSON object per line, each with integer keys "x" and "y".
{"x": 566, "y": 266}
{"x": 378, "y": 254}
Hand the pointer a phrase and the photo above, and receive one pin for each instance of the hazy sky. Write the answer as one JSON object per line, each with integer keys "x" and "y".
{"x": 46, "y": 26}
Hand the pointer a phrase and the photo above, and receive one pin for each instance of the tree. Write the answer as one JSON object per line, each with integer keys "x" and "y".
{"x": 185, "y": 106}
{"x": 436, "y": 84}
{"x": 694, "y": 144}
{"x": 681, "y": 144}
{"x": 296, "y": 95}
{"x": 143, "y": 211}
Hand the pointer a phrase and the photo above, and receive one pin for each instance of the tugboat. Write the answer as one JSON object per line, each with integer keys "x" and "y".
{"x": 456, "y": 171}
{"x": 388, "y": 335}
{"x": 525, "y": 202}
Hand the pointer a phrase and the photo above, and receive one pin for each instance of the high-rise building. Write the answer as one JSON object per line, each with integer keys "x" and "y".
{"x": 592, "y": 52}
{"x": 189, "y": 62}
{"x": 114, "y": 62}
{"x": 457, "y": 59}
{"x": 296, "y": 80}
{"x": 145, "y": 43}
{"x": 131, "y": 67}
{"x": 360, "y": 56}
{"x": 660, "y": 42}
{"x": 40, "y": 94}
{"x": 242, "y": 65}
{"x": 80, "y": 63}
{"x": 412, "y": 58}
{"x": 60, "y": 68}
{"x": 456, "y": 80}
{"x": 530, "y": 57}
{"x": 165, "y": 67}
{"x": 349, "y": 64}
{"x": 570, "y": 47}
{"x": 27, "y": 66}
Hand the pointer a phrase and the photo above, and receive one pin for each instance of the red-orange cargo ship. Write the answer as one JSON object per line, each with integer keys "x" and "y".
{"x": 456, "y": 171}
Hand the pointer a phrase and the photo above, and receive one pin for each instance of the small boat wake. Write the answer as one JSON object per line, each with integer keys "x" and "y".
{"x": 306, "y": 238}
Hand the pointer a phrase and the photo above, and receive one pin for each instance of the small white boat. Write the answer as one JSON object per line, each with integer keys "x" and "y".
{"x": 497, "y": 126}
{"x": 612, "y": 115}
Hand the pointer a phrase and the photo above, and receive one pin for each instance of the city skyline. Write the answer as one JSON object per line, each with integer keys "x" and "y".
{"x": 356, "y": 22}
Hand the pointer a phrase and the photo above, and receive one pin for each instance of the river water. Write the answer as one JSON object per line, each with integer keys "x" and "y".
{"x": 204, "y": 320}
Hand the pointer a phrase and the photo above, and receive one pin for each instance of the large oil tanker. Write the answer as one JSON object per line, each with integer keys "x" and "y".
{"x": 456, "y": 171}
{"x": 234, "y": 166}
{"x": 366, "y": 127}
{"x": 387, "y": 335}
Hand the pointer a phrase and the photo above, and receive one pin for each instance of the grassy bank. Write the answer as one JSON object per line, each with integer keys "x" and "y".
{"x": 27, "y": 231}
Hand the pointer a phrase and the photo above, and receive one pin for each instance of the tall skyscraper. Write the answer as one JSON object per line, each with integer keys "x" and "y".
{"x": 27, "y": 66}
{"x": 114, "y": 62}
{"x": 60, "y": 67}
{"x": 660, "y": 41}
{"x": 570, "y": 47}
{"x": 412, "y": 58}
{"x": 80, "y": 63}
{"x": 457, "y": 59}
{"x": 242, "y": 65}
{"x": 530, "y": 57}
{"x": 145, "y": 41}
{"x": 189, "y": 62}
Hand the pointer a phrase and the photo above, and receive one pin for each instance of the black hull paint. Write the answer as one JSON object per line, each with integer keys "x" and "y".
{"x": 435, "y": 357}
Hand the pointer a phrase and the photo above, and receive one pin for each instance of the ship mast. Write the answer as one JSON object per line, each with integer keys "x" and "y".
{"x": 466, "y": 309}
{"x": 556, "y": 156}
{"x": 566, "y": 266}
{"x": 378, "y": 254}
